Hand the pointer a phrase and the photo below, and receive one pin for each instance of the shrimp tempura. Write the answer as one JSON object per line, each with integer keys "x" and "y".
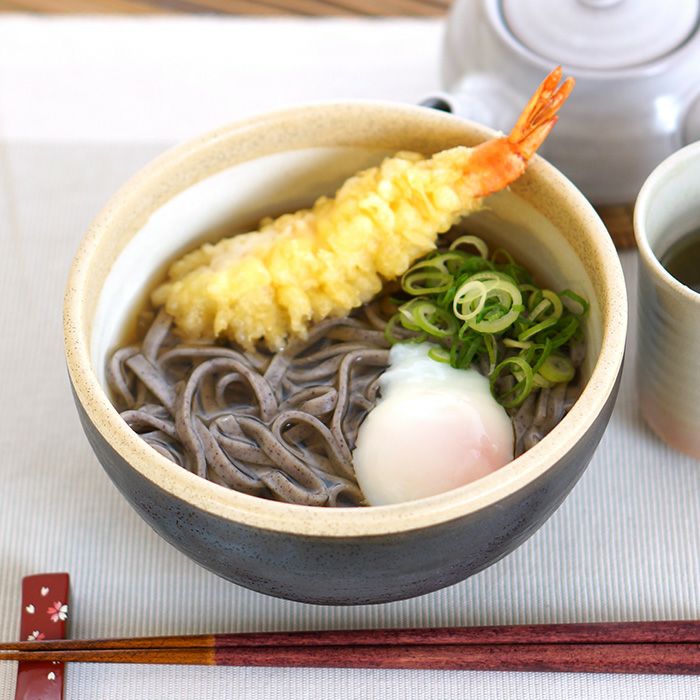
{"x": 271, "y": 285}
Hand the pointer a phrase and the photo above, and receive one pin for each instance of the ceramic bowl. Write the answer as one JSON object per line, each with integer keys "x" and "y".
{"x": 274, "y": 163}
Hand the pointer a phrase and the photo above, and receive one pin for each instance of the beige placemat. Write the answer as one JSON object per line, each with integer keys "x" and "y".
{"x": 625, "y": 545}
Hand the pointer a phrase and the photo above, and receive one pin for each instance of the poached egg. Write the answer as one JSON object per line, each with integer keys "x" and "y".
{"x": 434, "y": 428}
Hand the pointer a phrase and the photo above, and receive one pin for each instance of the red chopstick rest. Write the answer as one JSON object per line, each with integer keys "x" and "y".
{"x": 44, "y": 616}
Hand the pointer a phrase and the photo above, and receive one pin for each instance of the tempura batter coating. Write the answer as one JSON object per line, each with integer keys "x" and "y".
{"x": 270, "y": 285}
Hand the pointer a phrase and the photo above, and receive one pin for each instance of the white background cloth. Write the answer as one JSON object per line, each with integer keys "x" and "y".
{"x": 83, "y": 104}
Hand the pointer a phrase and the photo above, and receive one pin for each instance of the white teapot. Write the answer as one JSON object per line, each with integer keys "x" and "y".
{"x": 637, "y": 70}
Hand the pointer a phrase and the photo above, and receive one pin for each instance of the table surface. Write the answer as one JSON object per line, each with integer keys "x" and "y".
{"x": 411, "y": 8}
{"x": 84, "y": 103}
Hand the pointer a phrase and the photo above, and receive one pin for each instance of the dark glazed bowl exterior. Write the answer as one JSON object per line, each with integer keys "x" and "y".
{"x": 350, "y": 570}
{"x": 343, "y": 556}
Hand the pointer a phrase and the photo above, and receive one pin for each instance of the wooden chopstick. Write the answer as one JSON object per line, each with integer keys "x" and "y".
{"x": 671, "y": 631}
{"x": 641, "y": 647}
{"x": 599, "y": 658}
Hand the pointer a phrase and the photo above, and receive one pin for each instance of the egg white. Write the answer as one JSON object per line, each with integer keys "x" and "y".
{"x": 434, "y": 428}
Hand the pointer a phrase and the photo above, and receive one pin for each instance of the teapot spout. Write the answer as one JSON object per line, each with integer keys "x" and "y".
{"x": 442, "y": 101}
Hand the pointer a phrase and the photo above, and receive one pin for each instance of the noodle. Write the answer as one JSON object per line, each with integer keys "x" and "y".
{"x": 280, "y": 426}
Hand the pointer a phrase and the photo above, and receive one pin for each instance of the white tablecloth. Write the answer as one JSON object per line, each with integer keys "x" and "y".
{"x": 83, "y": 104}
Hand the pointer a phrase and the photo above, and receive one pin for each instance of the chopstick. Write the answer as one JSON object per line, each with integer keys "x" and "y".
{"x": 628, "y": 647}
{"x": 671, "y": 631}
{"x": 597, "y": 658}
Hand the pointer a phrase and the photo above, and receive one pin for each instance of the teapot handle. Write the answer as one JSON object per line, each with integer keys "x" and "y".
{"x": 481, "y": 98}
{"x": 691, "y": 126}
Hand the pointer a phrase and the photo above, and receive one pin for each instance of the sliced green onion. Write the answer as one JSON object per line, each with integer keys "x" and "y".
{"x": 389, "y": 330}
{"x": 539, "y": 382}
{"x": 407, "y": 319}
{"x": 393, "y": 339}
{"x": 534, "y": 299}
{"x": 469, "y": 300}
{"x": 509, "y": 296}
{"x": 473, "y": 307}
{"x": 528, "y": 288}
{"x": 490, "y": 343}
{"x": 434, "y": 262}
{"x": 497, "y": 325}
{"x": 439, "y": 354}
{"x": 507, "y": 292}
{"x": 558, "y": 307}
{"x": 423, "y": 315}
{"x": 557, "y": 369}
{"x": 568, "y": 294}
{"x": 473, "y": 241}
{"x": 444, "y": 260}
{"x": 542, "y": 306}
{"x": 502, "y": 252}
{"x": 426, "y": 282}
{"x": 469, "y": 352}
{"x": 491, "y": 275}
{"x": 534, "y": 330}
{"x": 472, "y": 297}
{"x": 549, "y": 300}
{"x": 454, "y": 261}
{"x": 545, "y": 350}
{"x": 566, "y": 332}
{"x": 512, "y": 343}
{"x": 522, "y": 372}
{"x": 454, "y": 354}
{"x": 536, "y": 354}
{"x": 466, "y": 333}
{"x": 435, "y": 321}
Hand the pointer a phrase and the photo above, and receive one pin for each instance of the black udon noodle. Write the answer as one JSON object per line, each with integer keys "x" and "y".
{"x": 281, "y": 426}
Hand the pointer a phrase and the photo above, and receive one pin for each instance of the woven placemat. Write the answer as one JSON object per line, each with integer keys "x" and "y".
{"x": 624, "y": 546}
{"x": 618, "y": 219}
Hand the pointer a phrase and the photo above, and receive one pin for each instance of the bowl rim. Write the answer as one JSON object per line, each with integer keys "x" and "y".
{"x": 309, "y": 521}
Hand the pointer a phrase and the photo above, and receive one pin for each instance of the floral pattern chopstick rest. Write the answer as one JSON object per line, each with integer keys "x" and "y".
{"x": 44, "y": 616}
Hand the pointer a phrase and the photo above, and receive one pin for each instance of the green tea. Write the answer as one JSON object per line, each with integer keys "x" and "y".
{"x": 682, "y": 260}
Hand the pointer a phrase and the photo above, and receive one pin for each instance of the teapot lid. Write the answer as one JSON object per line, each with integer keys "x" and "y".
{"x": 601, "y": 34}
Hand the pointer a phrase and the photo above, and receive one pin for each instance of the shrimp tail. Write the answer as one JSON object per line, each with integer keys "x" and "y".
{"x": 540, "y": 114}
{"x": 493, "y": 165}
